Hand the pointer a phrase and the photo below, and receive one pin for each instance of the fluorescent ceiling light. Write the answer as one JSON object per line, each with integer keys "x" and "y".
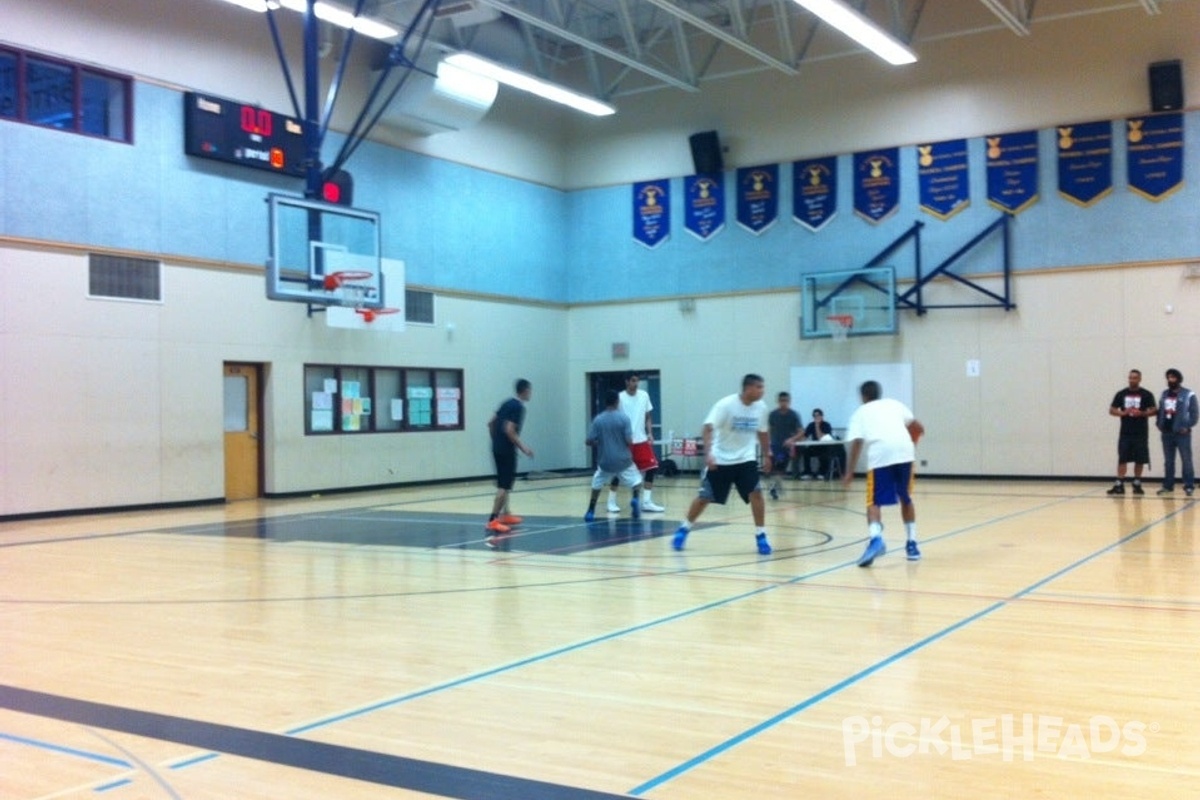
{"x": 328, "y": 12}
{"x": 861, "y": 30}
{"x": 528, "y": 83}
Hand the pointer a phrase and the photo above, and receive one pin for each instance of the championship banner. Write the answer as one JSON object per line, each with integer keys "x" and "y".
{"x": 1012, "y": 171}
{"x": 757, "y": 197}
{"x": 704, "y": 212}
{"x": 1085, "y": 172}
{"x": 877, "y": 184}
{"x": 814, "y": 192}
{"x": 943, "y": 178}
{"x": 1155, "y": 154}
{"x": 651, "y": 212}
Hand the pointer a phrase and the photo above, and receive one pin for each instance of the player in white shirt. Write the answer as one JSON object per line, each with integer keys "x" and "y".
{"x": 636, "y": 404}
{"x": 735, "y": 426}
{"x": 889, "y": 431}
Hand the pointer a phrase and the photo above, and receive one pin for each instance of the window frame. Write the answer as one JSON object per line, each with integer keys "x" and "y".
{"x": 120, "y": 130}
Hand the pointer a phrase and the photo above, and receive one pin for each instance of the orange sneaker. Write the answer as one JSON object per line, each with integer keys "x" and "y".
{"x": 509, "y": 519}
{"x": 496, "y": 526}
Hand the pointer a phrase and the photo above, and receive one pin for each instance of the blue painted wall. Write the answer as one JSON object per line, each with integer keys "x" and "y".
{"x": 465, "y": 229}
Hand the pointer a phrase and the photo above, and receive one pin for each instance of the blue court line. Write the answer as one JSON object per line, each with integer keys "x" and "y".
{"x": 437, "y": 688}
{"x": 70, "y": 751}
{"x": 753, "y": 731}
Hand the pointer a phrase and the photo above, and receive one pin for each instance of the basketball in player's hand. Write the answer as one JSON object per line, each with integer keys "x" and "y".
{"x": 916, "y": 430}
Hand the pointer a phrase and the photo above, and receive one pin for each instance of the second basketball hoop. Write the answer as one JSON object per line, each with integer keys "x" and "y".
{"x": 840, "y": 326}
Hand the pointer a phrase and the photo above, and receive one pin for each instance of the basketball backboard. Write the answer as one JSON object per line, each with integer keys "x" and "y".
{"x": 312, "y": 242}
{"x": 866, "y": 295}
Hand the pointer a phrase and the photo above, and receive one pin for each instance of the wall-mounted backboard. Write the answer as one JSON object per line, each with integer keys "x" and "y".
{"x": 323, "y": 254}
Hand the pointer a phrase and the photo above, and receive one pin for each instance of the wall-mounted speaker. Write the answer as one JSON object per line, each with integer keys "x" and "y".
{"x": 1166, "y": 86}
{"x": 706, "y": 152}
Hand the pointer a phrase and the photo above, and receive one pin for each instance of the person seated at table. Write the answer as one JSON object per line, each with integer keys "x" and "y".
{"x": 816, "y": 431}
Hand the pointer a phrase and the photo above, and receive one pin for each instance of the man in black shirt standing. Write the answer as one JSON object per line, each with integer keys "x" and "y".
{"x": 505, "y": 430}
{"x": 1134, "y": 405}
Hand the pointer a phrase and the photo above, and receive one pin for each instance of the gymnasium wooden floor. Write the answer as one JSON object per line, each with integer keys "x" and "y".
{"x": 370, "y": 646}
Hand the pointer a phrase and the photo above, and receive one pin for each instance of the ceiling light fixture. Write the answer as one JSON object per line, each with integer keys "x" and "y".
{"x": 327, "y": 12}
{"x": 861, "y": 30}
{"x": 528, "y": 83}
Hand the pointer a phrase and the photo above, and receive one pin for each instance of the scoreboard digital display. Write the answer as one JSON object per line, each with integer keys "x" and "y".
{"x": 225, "y": 130}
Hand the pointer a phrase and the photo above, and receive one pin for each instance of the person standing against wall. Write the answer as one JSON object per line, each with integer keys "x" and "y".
{"x": 784, "y": 423}
{"x": 1178, "y": 413}
{"x": 505, "y": 429}
{"x": 1134, "y": 405}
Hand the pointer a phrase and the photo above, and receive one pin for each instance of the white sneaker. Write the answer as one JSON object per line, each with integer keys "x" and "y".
{"x": 650, "y": 505}
{"x": 613, "y": 508}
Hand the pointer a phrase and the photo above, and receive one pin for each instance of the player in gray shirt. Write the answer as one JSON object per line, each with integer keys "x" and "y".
{"x": 611, "y": 434}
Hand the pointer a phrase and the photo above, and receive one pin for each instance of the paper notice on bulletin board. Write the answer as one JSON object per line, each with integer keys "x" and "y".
{"x": 447, "y": 412}
{"x": 397, "y": 409}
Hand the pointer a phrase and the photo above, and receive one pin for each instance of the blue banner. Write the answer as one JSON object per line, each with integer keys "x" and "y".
{"x": 704, "y": 214}
{"x": 1085, "y": 171}
{"x": 651, "y": 212}
{"x": 943, "y": 178}
{"x": 814, "y": 192}
{"x": 1012, "y": 171}
{"x": 757, "y": 197}
{"x": 877, "y": 184}
{"x": 1155, "y": 154}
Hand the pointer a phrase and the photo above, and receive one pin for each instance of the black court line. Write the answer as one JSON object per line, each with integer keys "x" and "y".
{"x": 345, "y": 762}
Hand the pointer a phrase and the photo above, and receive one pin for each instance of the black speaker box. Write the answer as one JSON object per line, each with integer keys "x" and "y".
{"x": 1166, "y": 86}
{"x": 706, "y": 152}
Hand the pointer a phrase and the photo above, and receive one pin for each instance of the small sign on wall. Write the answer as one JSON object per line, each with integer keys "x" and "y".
{"x": 620, "y": 350}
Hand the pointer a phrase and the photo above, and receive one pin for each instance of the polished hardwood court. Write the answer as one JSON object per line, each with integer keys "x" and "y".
{"x": 370, "y": 645}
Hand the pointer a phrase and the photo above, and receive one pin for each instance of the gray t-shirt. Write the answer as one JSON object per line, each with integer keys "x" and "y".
{"x": 611, "y": 432}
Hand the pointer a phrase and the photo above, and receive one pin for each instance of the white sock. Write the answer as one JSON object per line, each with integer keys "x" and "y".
{"x": 647, "y": 495}
{"x": 612, "y": 497}
{"x": 910, "y": 528}
{"x": 875, "y": 529}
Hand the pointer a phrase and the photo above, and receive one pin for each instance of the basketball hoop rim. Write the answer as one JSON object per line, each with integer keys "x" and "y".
{"x": 369, "y": 314}
{"x": 334, "y": 280}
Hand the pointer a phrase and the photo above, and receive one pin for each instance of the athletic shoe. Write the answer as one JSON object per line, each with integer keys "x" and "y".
{"x": 650, "y": 505}
{"x": 1137, "y": 489}
{"x": 590, "y": 516}
{"x": 680, "y": 538}
{"x": 509, "y": 519}
{"x": 774, "y": 491}
{"x": 911, "y": 549}
{"x": 764, "y": 547}
{"x": 875, "y": 548}
{"x": 806, "y": 477}
{"x": 1188, "y": 492}
{"x": 635, "y": 508}
{"x": 613, "y": 508}
{"x": 496, "y": 526}
{"x": 1118, "y": 488}
{"x": 1165, "y": 491}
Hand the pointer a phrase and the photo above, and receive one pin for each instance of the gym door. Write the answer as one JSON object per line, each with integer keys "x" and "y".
{"x": 243, "y": 453}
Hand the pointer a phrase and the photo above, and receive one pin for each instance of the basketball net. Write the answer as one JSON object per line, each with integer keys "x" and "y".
{"x": 839, "y": 326}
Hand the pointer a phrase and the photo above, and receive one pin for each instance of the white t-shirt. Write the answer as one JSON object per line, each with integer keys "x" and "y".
{"x": 882, "y": 425}
{"x": 735, "y": 429}
{"x": 636, "y": 407}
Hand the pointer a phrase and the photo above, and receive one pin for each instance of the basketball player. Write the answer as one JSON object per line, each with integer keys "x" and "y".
{"x": 612, "y": 434}
{"x": 505, "y": 429}
{"x": 889, "y": 431}
{"x": 730, "y": 430}
{"x": 636, "y": 404}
